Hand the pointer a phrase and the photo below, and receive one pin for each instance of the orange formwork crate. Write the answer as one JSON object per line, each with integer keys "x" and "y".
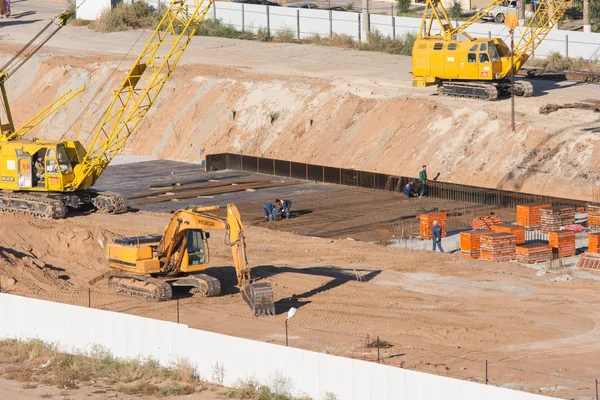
{"x": 594, "y": 216}
{"x": 594, "y": 243}
{"x": 555, "y": 217}
{"x": 529, "y": 215}
{"x": 517, "y": 230}
{"x": 470, "y": 243}
{"x": 533, "y": 253}
{"x": 426, "y": 223}
{"x": 563, "y": 242}
{"x": 498, "y": 246}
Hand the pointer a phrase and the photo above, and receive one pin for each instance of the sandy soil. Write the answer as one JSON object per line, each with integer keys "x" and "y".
{"x": 443, "y": 314}
{"x": 315, "y": 104}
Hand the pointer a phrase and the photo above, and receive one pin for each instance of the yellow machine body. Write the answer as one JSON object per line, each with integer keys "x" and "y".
{"x": 437, "y": 59}
{"x": 61, "y": 160}
{"x": 139, "y": 255}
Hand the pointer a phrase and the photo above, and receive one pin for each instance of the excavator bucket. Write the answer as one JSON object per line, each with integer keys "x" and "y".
{"x": 260, "y": 298}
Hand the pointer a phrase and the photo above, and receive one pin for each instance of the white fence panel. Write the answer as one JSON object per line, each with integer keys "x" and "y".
{"x": 255, "y": 16}
{"x": 284, "y": 19}
{"x": 229, "y": 14}
{"x": 314, "y": 22}
{"x": 312, "y": 374}
{"x": 91, "y": 10}
{"x": 346, "y": 23}
{"x": 383, "y": 24}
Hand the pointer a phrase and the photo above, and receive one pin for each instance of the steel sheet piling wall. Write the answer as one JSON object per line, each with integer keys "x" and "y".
{"x": 373, "y": 180}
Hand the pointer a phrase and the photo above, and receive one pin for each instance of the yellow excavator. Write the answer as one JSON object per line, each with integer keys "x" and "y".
{"x": 150, "y": 266}
{"x": 48, "y": 177}
{"x": 477, "y": 67}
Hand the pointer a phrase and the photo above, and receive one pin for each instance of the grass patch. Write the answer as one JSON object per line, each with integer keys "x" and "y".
{"x": 34, "y": 362}
{"x": 557, "y": 62}
{"x": 250, "y": 389}
{"x": 127, "y": 16}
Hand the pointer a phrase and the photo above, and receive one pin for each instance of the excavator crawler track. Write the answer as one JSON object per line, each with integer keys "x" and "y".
{"x": 260, "y": 298}
{"x": 110, "y": 203}
{"x": 208, "y": 286}
{"x": 141, "y": 287}
{"x": 524, "y": 88}
{"x": 483, "y": 91}
{"x": 40, "y": 206}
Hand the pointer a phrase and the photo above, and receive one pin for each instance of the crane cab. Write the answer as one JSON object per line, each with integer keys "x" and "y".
{"x": 437, "y": 59}
{"x": 20, "y": 169}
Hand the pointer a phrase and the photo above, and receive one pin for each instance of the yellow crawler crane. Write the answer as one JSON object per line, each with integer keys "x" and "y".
{"x": 68, "y": 170}
{"x": 466, "y": 66}
{"x": 149, "y": 266}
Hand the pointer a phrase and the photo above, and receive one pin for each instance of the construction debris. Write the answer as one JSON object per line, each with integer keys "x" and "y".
{"x": 589, "y": 261}
{"x": 563, "y": 242}
{"x": 426, "y": 223}
{"x": 529, "y": 216}
{"x": 517, "y": 230}
{"x": 555, "y": 217}
{"x": 550, "y": 108}
{"x": 470, "y": 243}
{"x": 533, "y": 253}
{"x": 498, "y": 246}
{"x": 486, "y": 222}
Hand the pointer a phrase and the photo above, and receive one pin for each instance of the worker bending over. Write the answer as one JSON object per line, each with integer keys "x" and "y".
{"x": 270, "y": 211}
{"x": 409, "y": 190}
{"x": 284, "y": 207}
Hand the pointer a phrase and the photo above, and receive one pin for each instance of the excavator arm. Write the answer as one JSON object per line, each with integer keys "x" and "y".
{"x": 259, "y": 296}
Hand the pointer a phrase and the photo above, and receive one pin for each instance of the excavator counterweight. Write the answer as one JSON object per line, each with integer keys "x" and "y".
{"x": 150, "y": 267}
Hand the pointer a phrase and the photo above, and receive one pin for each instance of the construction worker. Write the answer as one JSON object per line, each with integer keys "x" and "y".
{"x": 39, "y": 168}
{"x": 409, "y": 190}
{"x": 4, "y": 8}
{"x": 436, "y": 235}
{"x": 422, "y": 180}
{"x": 270, "y": 211}
{"x": 284, "y": 207}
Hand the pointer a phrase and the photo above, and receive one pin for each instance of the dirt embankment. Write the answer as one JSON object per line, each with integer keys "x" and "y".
{"x": 430, "y": 306}
{"x": 354, "y": 124}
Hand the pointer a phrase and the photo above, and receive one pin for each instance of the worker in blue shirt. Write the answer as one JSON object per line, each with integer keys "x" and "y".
{"x": 270, "y": 211}
{"x": 409, "y": 190}
{"x": 284, "y": 207}
{"x": 436, "y": 233}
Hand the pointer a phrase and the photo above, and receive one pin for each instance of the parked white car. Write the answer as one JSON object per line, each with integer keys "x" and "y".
{"x": 496, "y": 14}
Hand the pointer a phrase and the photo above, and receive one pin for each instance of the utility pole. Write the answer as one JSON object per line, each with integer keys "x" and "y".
{"x": 586, "y": 16}
{"x": 521, "y": 5}
{"x": 512, "y": 21}
{"x": 366, "y": 23}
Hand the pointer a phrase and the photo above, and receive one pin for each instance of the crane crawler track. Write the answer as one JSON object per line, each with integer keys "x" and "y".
{"x": 483, "y": 91}
{"x": 40, "y": 206}
{"x": 110, "y": 203}
{"x": 141, "y": 287}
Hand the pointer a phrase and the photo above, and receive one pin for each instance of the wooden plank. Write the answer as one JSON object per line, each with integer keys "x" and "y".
{"x": 186, "y": 188}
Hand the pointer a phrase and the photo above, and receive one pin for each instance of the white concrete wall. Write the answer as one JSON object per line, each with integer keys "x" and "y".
{"x": 91, "y": 9}
{"x": 322, "y": 22}
{"x": 313, "y": 374}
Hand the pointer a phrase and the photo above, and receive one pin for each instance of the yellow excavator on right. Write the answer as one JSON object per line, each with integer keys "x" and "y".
{"x": 477, "y": 67}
